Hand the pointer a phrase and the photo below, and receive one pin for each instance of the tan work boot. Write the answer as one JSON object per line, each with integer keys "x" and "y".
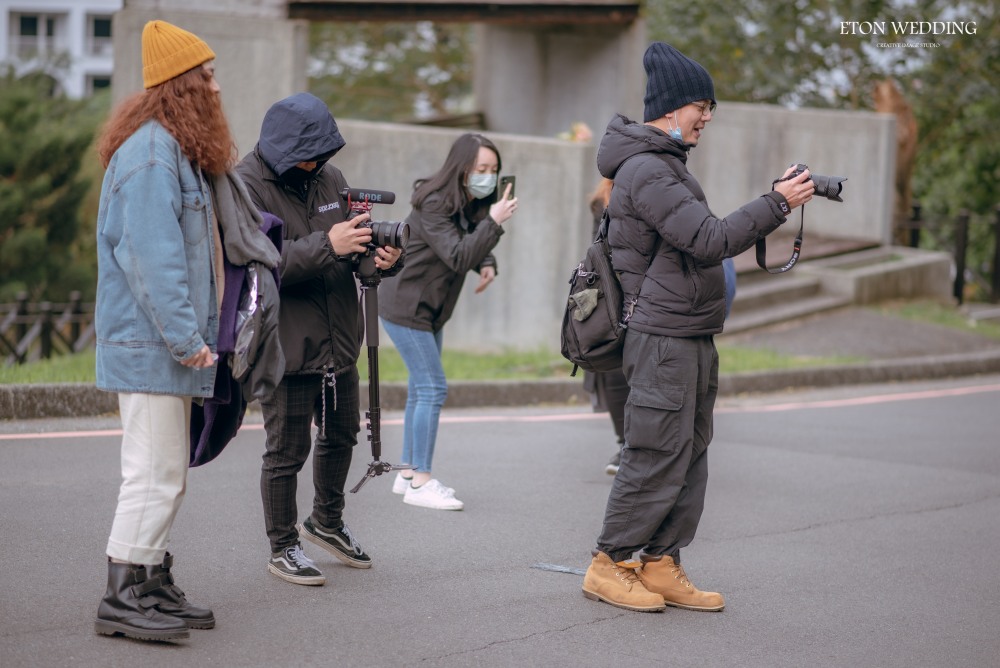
{"x": 662, "y": 576}
{"x": 619, "y": 585}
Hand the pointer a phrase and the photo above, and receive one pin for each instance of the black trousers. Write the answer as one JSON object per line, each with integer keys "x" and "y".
{"x": 289, "y": 415}
{"x": 609, "y": 390}
{"x": 658, "y": 494}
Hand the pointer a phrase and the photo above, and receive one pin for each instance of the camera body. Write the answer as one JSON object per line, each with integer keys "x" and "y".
{"x": 361, "y": 200}
{"x": 829, "y": 187}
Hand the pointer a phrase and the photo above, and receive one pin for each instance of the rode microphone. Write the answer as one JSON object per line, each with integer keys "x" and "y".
{"x": 369, "y": 196}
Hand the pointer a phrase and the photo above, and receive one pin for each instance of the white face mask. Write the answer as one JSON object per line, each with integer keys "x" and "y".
{"x": 481, "y": 185}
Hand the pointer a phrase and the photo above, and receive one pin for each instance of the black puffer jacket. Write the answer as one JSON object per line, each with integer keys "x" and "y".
{"x": 320, "y": 327}
{"x": 657, "y": 207}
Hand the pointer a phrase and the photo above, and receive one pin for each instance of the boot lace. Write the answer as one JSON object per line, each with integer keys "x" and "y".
{"x": 625, "y": 571}
{"x": 680, "y": 575}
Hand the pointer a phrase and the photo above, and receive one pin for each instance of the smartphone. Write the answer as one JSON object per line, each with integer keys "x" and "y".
{"x": 504, "y": 180}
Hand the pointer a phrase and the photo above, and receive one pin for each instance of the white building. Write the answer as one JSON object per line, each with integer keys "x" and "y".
{"x": 68, "y": 39}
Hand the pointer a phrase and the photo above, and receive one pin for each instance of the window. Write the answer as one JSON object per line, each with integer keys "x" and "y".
{"x": 97, "y": 82}
{"x": 99, "y": 37}
{"x": 36, "y": 35}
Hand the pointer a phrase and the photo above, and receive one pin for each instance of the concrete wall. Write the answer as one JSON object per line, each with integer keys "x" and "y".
{"x": 538, "y": 81}
{"x": 541, "y": 244}
{"x": 746, "y": 146}
{"x": 743, "y": 150}
{"x": 260, "y": 57}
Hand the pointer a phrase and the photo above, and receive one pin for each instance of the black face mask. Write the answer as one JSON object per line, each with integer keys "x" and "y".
{"x": 296, "y": 178}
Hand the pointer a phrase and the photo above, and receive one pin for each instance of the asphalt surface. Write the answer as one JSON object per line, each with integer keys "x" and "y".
{"x": 851, "y": 526}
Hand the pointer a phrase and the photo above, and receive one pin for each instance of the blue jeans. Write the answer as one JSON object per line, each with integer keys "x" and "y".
{"x": 427, "y": 388}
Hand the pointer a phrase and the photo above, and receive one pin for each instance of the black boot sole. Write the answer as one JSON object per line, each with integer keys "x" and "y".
{"x": 104, "y": 627}
{"x": 202, "y": 624}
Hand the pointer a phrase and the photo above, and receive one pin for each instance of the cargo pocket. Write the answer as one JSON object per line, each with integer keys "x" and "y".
{"x": 652, "y": 417}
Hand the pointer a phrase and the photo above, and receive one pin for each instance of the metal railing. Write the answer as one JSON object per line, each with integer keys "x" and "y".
{"x": 30, "y": 332}
{"x": 955, "y": 236}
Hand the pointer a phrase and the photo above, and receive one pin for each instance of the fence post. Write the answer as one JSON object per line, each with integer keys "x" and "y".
{"x": 21, "y": 328}
{"x": 45, "y": 313}
{"x": 996, "y": 256}
{"x": 915, "y": 226}
{"x": 75, "y": 308}
{"x": 961, "y": 242}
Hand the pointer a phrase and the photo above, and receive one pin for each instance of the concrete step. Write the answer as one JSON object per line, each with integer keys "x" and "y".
{"x": 759, "y": 291}
{"x": 782, "y": 311}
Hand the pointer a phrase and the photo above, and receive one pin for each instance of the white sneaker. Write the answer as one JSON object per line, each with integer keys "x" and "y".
{"x": 432, "y": 494}
{"x": 400, "y": 484}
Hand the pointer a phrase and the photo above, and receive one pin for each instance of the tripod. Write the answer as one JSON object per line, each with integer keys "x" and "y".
{"x": 370, "y": 278}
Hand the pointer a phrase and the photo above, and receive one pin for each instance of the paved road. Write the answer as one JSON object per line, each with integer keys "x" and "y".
{"x": 848, "y": 527}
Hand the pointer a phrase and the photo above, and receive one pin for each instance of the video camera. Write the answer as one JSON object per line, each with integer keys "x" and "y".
{"x": 362, "y": 200}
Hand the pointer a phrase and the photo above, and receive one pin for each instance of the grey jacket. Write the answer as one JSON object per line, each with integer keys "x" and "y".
{"x": 666, "y": 245}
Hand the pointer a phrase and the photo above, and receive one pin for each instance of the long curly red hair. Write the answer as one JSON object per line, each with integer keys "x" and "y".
{"x": 190, "y": 111}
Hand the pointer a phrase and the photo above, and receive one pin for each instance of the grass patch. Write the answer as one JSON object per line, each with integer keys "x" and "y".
{"x": 938, "y": 314}
{"x": 458, "y": 365}
{"x": 461, "y": 365}
{"x": 736, "y": 359}
{"x": 529, "y": 365}
{"x": 77, "y": 368}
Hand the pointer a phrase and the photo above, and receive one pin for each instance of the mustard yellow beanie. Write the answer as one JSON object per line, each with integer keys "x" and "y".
{"x": 169, "y": 51}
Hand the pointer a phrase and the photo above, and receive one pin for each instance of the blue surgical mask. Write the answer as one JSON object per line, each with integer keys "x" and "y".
{"x": 675, "y": 133}
{"x": 481, "y": 185}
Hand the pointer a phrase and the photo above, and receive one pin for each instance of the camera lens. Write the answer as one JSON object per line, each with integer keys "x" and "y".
{"x": 390, "y": 234}
{"x": 829, "y": 187}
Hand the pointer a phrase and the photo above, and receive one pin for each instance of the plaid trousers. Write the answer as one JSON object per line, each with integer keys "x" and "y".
{"x": 289, "y": 414}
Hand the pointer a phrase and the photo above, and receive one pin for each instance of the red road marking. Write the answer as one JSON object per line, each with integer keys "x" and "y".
{"x": 568, "y": 417}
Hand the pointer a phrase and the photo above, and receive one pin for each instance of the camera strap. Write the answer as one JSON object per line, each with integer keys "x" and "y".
{"x": 796, "y": 247}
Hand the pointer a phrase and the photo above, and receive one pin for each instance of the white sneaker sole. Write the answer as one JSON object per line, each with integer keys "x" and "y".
{"x": 313, "y": 581}
{"x": 456, "y": 505}
{"x": 315, "y": 540}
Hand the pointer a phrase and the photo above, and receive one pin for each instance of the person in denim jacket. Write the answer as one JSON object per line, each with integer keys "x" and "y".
{"x": 157, "y": 314}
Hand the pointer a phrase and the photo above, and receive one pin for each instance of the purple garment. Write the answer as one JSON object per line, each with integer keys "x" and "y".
{"x": 215, "y": 422}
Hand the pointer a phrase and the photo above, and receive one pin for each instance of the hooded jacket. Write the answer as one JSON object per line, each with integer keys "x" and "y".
{"x": 319, "y": 324}
{"x": 666, "y": 245}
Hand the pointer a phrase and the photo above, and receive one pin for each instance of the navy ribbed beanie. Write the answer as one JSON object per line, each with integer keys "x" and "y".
{"x": 673, "y": 81}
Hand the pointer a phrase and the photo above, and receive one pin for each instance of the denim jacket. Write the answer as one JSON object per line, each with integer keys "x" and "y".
{"x": 156, "y": 297}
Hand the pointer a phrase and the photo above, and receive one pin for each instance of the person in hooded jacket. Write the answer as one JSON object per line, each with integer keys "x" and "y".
{"x": 288, "y": 175}
{"x": 667, "y": 247}
{"x": 609, "y": 389}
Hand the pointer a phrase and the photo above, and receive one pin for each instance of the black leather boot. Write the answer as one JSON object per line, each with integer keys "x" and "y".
{"x": 170, "y": 599}
{"x": 127, "y": 607}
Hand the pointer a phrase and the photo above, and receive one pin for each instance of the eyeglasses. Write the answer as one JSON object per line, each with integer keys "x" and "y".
{"x": 705, "y": 108}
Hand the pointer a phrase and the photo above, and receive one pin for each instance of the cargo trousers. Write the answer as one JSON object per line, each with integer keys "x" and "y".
{"x": 658, "y": 494}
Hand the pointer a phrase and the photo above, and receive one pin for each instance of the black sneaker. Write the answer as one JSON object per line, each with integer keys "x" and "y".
{"x": 293, "y": 565}
{"x": 613, "y": 463}
{"x": 338, "y": 542}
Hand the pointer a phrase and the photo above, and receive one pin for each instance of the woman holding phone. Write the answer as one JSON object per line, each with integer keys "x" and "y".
{"x": 455, "y": 223}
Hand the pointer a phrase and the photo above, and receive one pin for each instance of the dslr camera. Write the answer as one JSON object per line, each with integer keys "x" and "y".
{"x": 829, "y": 187}
{"x": 362, "y": 200}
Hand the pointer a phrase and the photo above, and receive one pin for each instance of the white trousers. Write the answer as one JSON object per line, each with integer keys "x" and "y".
{"x": 155, "y": 455}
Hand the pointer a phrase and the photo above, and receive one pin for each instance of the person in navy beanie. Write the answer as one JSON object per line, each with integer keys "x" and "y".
{"x": 668, "y": 249}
